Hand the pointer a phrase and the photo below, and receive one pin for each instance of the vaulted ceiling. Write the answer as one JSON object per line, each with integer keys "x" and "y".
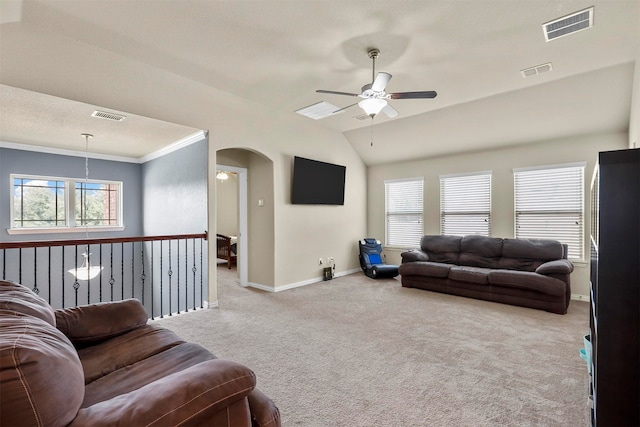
{"x": 278, "y": 52}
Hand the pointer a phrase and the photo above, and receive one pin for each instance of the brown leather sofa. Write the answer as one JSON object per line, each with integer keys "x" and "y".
{"x": 526, "y": 272}
{"x": 103, "y": 365}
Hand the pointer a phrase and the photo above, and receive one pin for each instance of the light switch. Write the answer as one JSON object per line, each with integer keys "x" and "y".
{"x": 260, "y": 202}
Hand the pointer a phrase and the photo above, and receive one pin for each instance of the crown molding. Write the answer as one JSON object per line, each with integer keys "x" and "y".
{"x": 63, "y": 152}
{"x": 184, "y": 142}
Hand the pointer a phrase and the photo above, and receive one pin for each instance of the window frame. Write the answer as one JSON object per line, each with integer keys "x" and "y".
{"x": 579, "y": 195}
{"x": 418, "y": 214}
{"x": 70, "y": 225}
{"x": 483, "y": 178}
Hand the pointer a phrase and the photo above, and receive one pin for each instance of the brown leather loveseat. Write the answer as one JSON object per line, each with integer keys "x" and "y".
{"x": 526, "y": 272}
{"x": 103, "y": 365}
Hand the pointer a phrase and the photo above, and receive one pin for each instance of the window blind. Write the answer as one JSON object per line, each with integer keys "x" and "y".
{"x": 549, "y": 204}
{"x": 465, "y": 204}
{"x": 404, "y": 212}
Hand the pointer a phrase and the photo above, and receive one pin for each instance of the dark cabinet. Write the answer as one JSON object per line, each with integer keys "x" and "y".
{"x": 615, "y": 289}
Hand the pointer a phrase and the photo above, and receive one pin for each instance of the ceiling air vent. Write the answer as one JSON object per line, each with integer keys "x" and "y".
{"x": 108, "y": 116}
{"x": 538, "y": 69}
{"x": 568, "y": 24}
{"x": 364, "y": 116}
{"x": 320, "y": 110}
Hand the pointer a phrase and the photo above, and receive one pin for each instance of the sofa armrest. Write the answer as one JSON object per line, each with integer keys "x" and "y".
{"x": 414, "y": 255}
{"x": 559, "y": 266}
{"x": 264, "y": 413}
{"x": 97, "y": 322}
{"x": 188, "y": 397}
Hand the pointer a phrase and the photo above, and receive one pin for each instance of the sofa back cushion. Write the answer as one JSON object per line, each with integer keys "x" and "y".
{"x": 492, "y": 252}
{"x": 41, "y": 378}
{"x": 92, "y": 323}
{"x": 480, "y": 251}
{"x": 441, "y": 248}
{"x": 529, "y": 254}
{"x": 20, "y": 299}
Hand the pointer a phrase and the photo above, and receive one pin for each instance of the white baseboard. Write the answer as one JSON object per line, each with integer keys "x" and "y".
{"x": 260, "y": 286}
{"x": 209, "y": 304}
{"x": 579, "y": 297}
{"x": 299, "y": 284}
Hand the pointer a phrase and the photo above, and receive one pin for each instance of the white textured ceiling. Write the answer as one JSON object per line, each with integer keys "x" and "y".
{"x": 278, "y": 52}
{"x": 37, "y": 119}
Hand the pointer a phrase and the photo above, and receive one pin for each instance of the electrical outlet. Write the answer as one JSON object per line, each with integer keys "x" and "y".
{"x": 320, "y": 261}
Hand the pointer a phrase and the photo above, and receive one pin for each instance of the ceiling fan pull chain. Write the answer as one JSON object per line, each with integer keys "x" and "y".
{"x": 371, "y": 131}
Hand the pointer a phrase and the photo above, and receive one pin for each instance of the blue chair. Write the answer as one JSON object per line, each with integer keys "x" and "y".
{"x": 371, "y": 260}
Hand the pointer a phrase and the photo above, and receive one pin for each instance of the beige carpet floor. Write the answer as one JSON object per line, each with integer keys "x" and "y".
{"x": 355, "y": 351}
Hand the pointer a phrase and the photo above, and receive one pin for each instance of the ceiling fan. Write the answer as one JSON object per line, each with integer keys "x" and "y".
{"x": 375, "y": 97}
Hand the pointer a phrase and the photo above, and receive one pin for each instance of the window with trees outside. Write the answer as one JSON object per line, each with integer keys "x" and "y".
{"x": 404, "y": 212}
{"x": 465, "y": 204}
{"x": 54, "y": 203}
{"x": 549, "y": 205}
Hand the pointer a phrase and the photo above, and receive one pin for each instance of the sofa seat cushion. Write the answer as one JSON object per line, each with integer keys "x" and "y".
{"x": 528, "y": 280}
{"x": 19, "y": 298}
{"x": 425, "y": 268}
{"x": 124, "y": 350}
{"x": 469, "y": 274}
{"x": 41, "y": 378}
{"x": 144, "y": 372}
{"x": 519, "y": 264}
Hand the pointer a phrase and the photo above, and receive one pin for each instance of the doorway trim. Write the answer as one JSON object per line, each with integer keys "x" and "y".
{"x": 243, "y": 247}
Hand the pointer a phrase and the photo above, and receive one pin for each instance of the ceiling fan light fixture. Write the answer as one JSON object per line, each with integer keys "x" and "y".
{"x": 372, "y": 106}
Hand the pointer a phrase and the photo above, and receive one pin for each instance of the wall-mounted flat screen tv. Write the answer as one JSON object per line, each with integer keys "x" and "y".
{"x": 317, "y": 183}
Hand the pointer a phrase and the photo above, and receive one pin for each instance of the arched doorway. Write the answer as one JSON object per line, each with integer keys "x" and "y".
{"x": 231, "y": 217}
{"x": 250, "y": 211}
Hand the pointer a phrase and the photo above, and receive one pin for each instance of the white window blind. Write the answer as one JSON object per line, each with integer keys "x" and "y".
{"x": 549, "y": 205}
{"x": 465, "y": 204}
{"x": 404, "y": 212}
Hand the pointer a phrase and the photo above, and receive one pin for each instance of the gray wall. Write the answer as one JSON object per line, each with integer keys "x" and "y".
{"x": 174, "y": 192}
{"x": 34, "y": 163}
{"x": 174, "y": 189}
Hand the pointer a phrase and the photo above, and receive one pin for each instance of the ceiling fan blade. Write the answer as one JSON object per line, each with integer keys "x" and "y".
{"x": 333, "y": 92}
{"x": 380, "y": 83}
{"x": 390, "y": 111}
{"x": 413, "y": 95}
{"x": 344, "y": 108}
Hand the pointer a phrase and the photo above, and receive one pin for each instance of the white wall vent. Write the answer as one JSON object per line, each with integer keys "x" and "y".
{"x": 569, "y": 24}
{"x": 319, "y": 110}
{"x": 108, "y": 116}
{"x": 538, "y": 69}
